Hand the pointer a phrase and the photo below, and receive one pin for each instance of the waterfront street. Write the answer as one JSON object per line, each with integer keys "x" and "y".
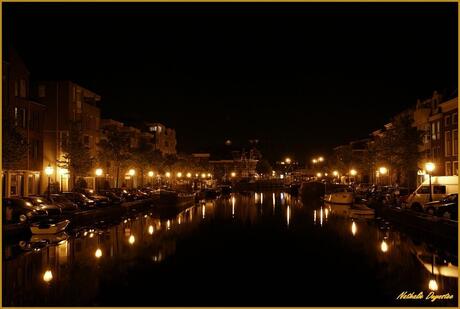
{"x": 262, "y": 249}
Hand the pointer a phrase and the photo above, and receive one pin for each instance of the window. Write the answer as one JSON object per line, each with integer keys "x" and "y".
{"x": 16, "y": 88}
{"x": 454, "y": 118}
{"x": 447, "y": 121}
{"x": 74, "y": 94}
{"x": 455, "y": 142}
{"x": 433, "y": 131}
{"x": 41, "y": 91}
{"x": 20, "y": 117}
{"x": 448, "y": 143}
{"x": 86, "y": 140}
{"x": 448, "y": 169}
{"x": 35, "y": 147}
{"x": 439, "y": 189}
{"x": 455, "y": 168}
{"x": 22, "y": 88}
{"x": 423, "y": 190}
{"x": 438, "y": 130}
{"x": 14, "y": 185}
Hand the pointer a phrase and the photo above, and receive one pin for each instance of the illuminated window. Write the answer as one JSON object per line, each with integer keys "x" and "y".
{"x": 448, "y": 169}
{"x": 455, "y": 168}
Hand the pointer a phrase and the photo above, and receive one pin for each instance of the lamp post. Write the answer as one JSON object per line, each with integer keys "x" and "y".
{"x": 383, "y": 171}
{"x": 49, "y": 171}
{"x": 353, "y": 173}
{"x": 429, "y": 167}
{"x": 98, "y": 173}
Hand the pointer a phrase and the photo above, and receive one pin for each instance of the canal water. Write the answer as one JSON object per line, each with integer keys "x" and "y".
{"x": 260, "y": 249}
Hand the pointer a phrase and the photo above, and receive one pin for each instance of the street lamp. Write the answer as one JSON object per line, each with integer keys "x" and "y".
{"x": 179, "y": 175}
{"x": 233, "y": 174}
{"x": 287, "y": 160}
{"x": 49, "y": 171}
{"x": 314, "y": 161}
{"x": 320, "y": 159}
{"x": 131, "y": 172}
{"x": 189, "y": 175}
{"x": 98, "y": 173}
{"x": 353, "y": 173}
{"x": 429, "y": 167}
{"x": 150, "y": 173}
{"x": 319, "y": 175}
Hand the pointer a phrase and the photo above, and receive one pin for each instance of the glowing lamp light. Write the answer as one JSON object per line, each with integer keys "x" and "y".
{"x": 49, "y": 170}
{"x": 354, "y": 228}
{"x": 287, "y": 160}
{"x": 429, "y": 167}
{"x": 209, "y": 175}
{"x": 48, "y": 276}
{"x": 168, "y": 174}
{"x": 314, "y": 161}
{"x": 281, "y": 176}
{"x": 99, "y": 171}
{"x": 384, "y": 246}
{"x": 320, "y": 159}
{"x": 233, "y": 174}
{"x": 189, "y": 175}
{"x": 179, "y": 175}
{"x": 319, "y": 175}
{"x": 151, "y": 174}
{"x": 131, "y": 239}
{"x": 203, "y": 175}
{"x": 353, "y": 172}
{"x": 433, "y": 285}
{"x": 335, "y": 173}
{"x": 131, "y": 172}
{"x": 98, "y": 253}
{"x": 151, "y": 230}
{"x": 383, "y": 170}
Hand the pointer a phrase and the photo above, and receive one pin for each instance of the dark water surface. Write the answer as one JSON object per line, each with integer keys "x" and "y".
{"x": 263, "y": 249}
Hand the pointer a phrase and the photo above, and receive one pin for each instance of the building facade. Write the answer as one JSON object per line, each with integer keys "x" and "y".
{"x": 164, "y": 138}
{"x": 21, "y": 177}
{"x": 67, "y": 103}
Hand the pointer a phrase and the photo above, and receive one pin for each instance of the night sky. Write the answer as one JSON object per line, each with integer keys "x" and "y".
{"x": 301, "y": 78}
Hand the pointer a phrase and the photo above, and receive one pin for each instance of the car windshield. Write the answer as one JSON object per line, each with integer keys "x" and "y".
{"x": 452, "y": 198}
{"x": 60, "y": 199}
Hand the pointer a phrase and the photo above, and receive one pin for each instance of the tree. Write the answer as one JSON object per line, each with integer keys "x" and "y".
{"x": 77, "y": 158}
{"x": 263, "y": 167}
{"x": 398, "y": 147}
{"x": 14, "y": 145}
{"x": 115, "y": 146}
{"x": 143, "y": 156}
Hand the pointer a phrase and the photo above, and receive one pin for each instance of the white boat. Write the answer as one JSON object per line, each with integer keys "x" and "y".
{"x": 361, "y": 210}
{"x": 341, "y": 197}
{"x": 49, "y": 227}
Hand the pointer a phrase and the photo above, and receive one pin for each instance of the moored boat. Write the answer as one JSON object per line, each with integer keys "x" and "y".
{"x": 340, "y": 197}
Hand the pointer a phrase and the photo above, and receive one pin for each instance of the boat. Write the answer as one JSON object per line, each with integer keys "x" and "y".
{"x": 50, "y": 226}
{"x": 343, "y": 197}
{"x": 361, "y": 210}
{"x": 170, "y": 199}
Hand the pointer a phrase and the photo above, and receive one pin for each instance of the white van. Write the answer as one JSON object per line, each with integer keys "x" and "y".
{"x": 441, "y": 186}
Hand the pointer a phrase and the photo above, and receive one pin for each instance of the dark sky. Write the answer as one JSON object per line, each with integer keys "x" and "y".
{"x": 301, "y": 78}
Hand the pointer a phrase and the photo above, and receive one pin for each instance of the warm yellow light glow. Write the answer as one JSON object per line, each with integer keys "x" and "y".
{"x": 288, "y": 215}
{"x": 233, "y": 174}
{"x": 64, "y": 172}
{"x": 429, "y": 167}
{"x": 151, "y": 173}
{"x": 384, "y": 246}
{"x": 383, "y": 170}
{"x": 325, "y": 174}
{"x": 209, "y": 175}
{"x": 203, "y": 175}
{"x": 98, "y": 253}
{"x": 131, "y": 172}
{"x": 151, "y": 230}
{"x": 48, "y": 276}
{"x": 132, "y": 239}
{"x": 319, "y": 175}
{"x": 281, "y": 176}
{"x": 99, "y": 171}
{"x": 287, "y": 160}
{"x": 168, "y": 224}
{"x": 49, "y": 170}
{"x": 196, "y": 175}
{"x": 354, "y": 228}
{"x": 179, "y": 175}
{"x": 314, "y": 161}
{"x": 189, "y": 175}
{"x": 433, "y": 285}
{"x": 335, "y": 173}
{"x": 168, "y": 174}
{"x": 320, "y": 159}
{"x": 353, "y": 172}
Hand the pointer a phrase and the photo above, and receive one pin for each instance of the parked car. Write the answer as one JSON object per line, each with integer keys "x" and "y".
{"x": 446, "y": 207}
{"x": 59, "y": 200}
{"x": 98, "y": 199}
{"x": 17, "y": 210}
{"x": 42, "y": 203}
{"x": 80, "y": 199}
{"x": 112, "y": 196}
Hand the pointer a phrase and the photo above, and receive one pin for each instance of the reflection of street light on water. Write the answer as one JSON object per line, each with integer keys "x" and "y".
{"x": 98, "y": 253}
{"x": 429, "y": 167}
{"x": 432, "y": 284}
{"x": 384, "y": 246}
{"x": 131, "y": 240}
{"x": 354, "y": 228}
{"x": 47, "y": 276}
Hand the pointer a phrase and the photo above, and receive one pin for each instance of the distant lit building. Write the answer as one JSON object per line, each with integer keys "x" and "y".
{"x": 164, "y": 138}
